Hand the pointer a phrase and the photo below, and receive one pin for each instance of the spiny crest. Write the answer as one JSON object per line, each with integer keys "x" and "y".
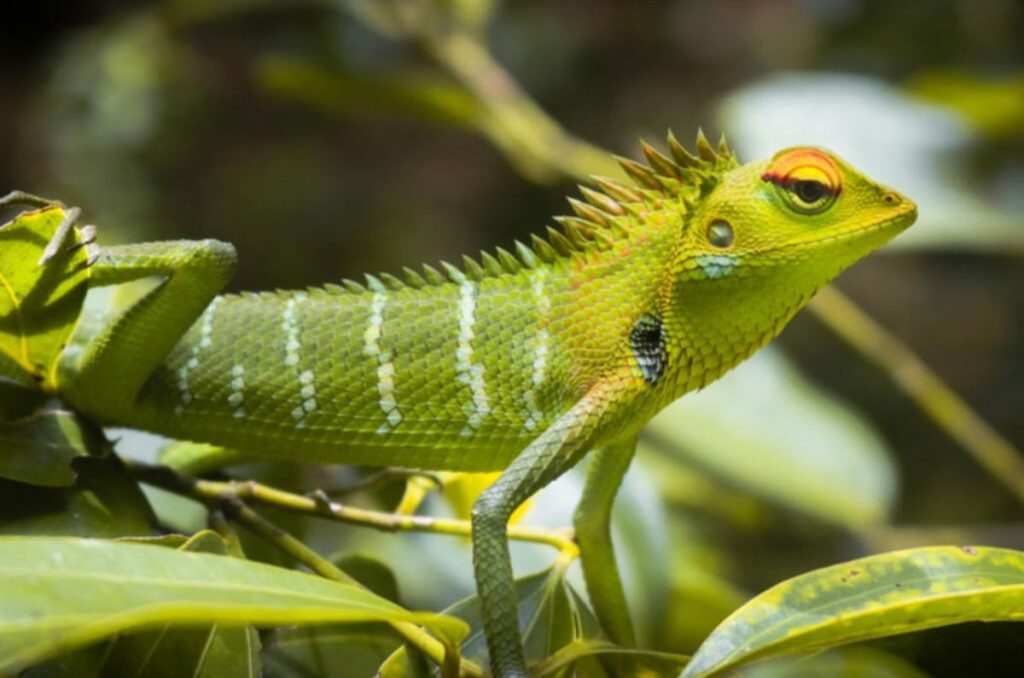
{"x": 600, "y": 218}
{"x": 666, "y": 175}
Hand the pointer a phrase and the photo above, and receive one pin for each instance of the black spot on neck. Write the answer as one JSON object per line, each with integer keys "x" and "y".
{"x": 650, "y": 347}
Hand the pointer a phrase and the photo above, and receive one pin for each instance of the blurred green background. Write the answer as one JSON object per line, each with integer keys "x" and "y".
{"x": 326, "y": 139}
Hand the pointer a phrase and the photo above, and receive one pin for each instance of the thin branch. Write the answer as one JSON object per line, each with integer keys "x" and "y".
{"x": 321, "y": 506}
{"x": 222, "y": 497}
{"x": 932, "y": 395}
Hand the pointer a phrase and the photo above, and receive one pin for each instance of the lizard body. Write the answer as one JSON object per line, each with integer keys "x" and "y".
{"x": 518, "y": 362}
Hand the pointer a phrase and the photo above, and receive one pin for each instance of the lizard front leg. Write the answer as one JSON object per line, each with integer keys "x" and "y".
{"x": 547, "y": 457}
{"x": 116, "y": 362}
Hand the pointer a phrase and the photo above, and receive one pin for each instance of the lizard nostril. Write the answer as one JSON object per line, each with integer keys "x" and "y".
{"x": 890, "y": 199}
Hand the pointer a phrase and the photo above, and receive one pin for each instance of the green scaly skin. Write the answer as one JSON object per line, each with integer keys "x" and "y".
{"x": 517, "y": 362}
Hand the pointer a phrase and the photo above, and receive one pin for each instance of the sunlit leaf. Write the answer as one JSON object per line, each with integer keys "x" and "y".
{"x": 39, "y": 304}
{"x": 65, "y": 593}
{"x": 764, "y": 428}
{"x": 869, "y": 598}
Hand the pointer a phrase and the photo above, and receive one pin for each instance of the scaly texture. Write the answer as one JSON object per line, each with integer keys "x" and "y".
{"x": 520, "y": 363}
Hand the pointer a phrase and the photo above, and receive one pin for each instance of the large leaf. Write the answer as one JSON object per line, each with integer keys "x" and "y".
{"x": 64, "y": 593}
{"x": 208, "y": 652}
{"x": 847, "y": 662}
{"x": 868, "y": 598}
{"x": 333, "y": 650}
{"x": 39, "y": 304}
{"x": 766, "y": 429}
{"x": 355, "y": 649}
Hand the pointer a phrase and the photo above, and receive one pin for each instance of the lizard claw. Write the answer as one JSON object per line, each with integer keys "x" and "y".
{"x": 93, "y": 250}
{"x": 60, "y": 236}
{"x": 87, "y": 234}
{"x": 87, "y": 239}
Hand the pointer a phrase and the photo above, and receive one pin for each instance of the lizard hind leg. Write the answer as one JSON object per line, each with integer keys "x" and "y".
{"x": 117, "y": 361}
{"x": 593, "y": 534}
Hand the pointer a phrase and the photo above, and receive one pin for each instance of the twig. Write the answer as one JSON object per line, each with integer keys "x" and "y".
{"x": 319, "y": 505}
{"x": 932, "y": 395}
{"x": 222, "y": 497}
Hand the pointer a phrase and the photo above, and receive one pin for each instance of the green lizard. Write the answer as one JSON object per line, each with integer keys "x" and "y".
{"x": 521, "y": 363}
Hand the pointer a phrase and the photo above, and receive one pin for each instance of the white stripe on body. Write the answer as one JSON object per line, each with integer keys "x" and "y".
{"x": 540, "y": 349}
{"x": 385, "y": 365}
{"x": 205, "y": 340}
{"x": 237, "y": 397}
{"x": 292, "y": 346}
{"x": 466, "y": 370}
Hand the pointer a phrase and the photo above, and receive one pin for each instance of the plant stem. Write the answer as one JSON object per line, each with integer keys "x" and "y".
{"x": 319, "y": 505}
{"x": 932, "y": 395}
{"x": 223, "y": 497}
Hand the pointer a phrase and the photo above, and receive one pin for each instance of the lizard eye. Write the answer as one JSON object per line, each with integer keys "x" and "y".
{"x": 720, "y": 233}
{"x": 808, "y": 180}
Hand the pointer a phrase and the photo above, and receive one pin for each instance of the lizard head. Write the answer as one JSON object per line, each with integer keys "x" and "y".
{"x": 763, "y": 238}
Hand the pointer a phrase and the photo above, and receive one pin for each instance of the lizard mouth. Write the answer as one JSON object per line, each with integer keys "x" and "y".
{"x": 877, "y": 233}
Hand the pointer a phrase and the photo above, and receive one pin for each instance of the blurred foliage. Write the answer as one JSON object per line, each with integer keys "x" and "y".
{"x": 326, "y": 138}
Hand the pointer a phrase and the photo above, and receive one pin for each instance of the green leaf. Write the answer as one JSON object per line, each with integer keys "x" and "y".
{"x": 766, "y": 429}
{"x": 105, "y": 501}
{"x": 354, "y": 649}
{"x": 620, "y": 661}
{"x": 847, "y": 662}
{"x": 60, "y": 594}
{"x": 359, "y": 649}
{"x": 868, "y": 598}
{"x": 370, "y": 572}
{"x": 38, "y": 450}
{"x": 39, "y": 304}
{"x": 551, "y": 615}
{"x": 209, "y": 652}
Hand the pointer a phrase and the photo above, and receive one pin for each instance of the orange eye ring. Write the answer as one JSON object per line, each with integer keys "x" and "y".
{"x": 807, "y": 179}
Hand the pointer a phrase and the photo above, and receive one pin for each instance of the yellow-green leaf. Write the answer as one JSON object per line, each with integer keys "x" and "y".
{"x": 39, "y": 304}
{"x": 868, "y": 598}
{"x": 61, "y": 594}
